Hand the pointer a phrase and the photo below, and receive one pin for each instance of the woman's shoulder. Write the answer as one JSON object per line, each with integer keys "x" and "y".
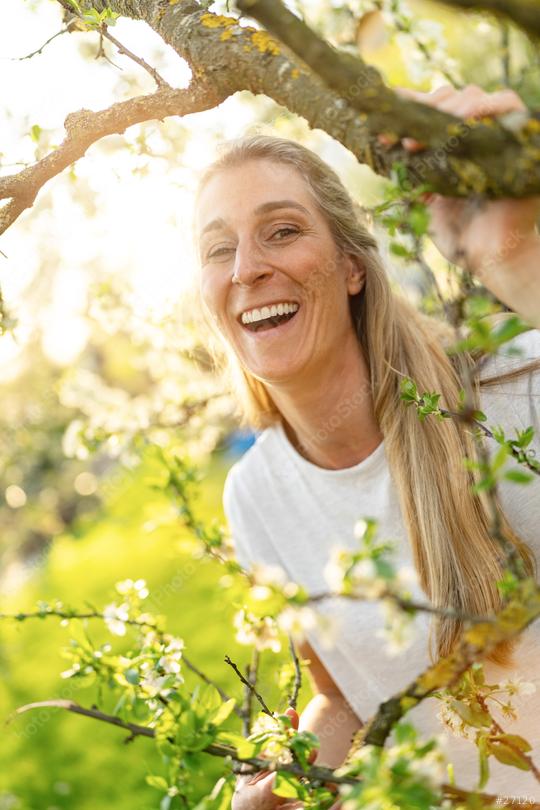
{"x": 510, "y": 385}
{"x": 244, "y": 476}
{"x": 518, "y": 353}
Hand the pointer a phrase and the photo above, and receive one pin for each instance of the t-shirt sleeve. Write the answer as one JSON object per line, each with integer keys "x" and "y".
{"x": 514, "y": 401}
{"x": 237, "y": 517}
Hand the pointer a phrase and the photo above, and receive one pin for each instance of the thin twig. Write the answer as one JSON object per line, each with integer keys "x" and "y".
{"x": 408, "y": 605}
{"x": 159, "y": 80}
{"x": 315, "y": 773}
{"x": 252, "y": 670}
{"x": 63, "y": 614}
{"x": 293, "y": 700}
{"x": 223, "y": 695}
{"x": 64, "y": 30}
{"x": 250, "y": 686}
{"x": 514, "y": 451}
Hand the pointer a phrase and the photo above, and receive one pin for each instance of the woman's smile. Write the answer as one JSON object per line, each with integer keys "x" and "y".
{"x": 269, "y": 320}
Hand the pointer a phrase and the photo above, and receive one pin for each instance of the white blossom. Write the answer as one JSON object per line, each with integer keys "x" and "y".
{"x": 517, "y": 686}
{"x": 399, "y": 630}
{"x": 115, "y": 617}
{"x": 297, "y": 621}
{"x": 335, "y": 567}
{"x": 128, "y": 586}
{"x": 269, "y": 575}
{"x": 261, "y": 633}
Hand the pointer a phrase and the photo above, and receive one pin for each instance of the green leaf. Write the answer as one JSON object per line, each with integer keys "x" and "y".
{"x": 473, "y": 715}
{"x": 507, "y": 755}
{"x": 500, "y": 457}
{"x": 35, "y": 132}
{"x": 524, "y": 437}
{"x": 510, "y": 328}
{"x": 518, "y": 476}
{"x": 418, "y": 219}
{"x": 408, "y": 390}
{"x": 157, "y": 782}
{"x": 286, "y": 786}
{"x": 223, "y": 712}
{"x": 400, "y": 250}
{"x": 207, "y": 698}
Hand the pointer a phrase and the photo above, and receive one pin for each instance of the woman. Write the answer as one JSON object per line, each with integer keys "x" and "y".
{"x": 317, "y": 344}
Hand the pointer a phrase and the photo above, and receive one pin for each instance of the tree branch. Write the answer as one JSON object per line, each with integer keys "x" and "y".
{"x": 315, "y": 773}
{"x": 63, "y": 30}
{"x": 475, "y": 643}
{"x": 85, "y": 127}
{"x": 159, "y": 80}
{"x": 524, "y": 13}
{"x": 250, "y": 686}
{"x": 226, "y": 57}
{"x": 461, "y": 158}
{"x": 297, "y": 685}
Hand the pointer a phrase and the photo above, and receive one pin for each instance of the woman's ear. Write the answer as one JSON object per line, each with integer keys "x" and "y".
{"x": 356, "y": 274}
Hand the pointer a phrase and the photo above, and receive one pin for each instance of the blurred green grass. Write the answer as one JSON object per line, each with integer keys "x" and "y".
{"x": 52, "y": 759}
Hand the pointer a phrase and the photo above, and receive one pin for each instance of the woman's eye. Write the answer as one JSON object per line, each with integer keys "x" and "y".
{"x": 286, "y": 230}
{"x": 218, "y": 252}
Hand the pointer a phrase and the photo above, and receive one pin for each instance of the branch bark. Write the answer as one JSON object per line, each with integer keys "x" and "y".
{"x": 85, "y": 127}
{"x": 315, "y": 773}
{"x": 339, "y": 94}
{"x": 476, "y": 642}
{"x": 461, "y": 159}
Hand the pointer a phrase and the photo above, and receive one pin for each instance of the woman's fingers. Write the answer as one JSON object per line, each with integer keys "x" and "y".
{"x": 469, "y": 102}
{"x": 293, "y": 714}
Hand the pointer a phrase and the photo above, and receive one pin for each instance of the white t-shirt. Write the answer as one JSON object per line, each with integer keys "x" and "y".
{"x": 283, "y": 510}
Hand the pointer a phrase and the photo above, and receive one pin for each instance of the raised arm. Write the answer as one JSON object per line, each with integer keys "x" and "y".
{"x": 496, "y": 240}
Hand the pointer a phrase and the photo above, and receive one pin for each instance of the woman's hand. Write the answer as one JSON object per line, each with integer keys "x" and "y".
{"x": 494, "y": 239}
{"x": 254, "y": 791}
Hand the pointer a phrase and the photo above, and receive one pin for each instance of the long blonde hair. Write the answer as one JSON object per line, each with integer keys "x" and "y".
{"x": 457, "y": 560}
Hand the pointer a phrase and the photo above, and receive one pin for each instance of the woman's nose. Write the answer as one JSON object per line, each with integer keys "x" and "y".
{"x": 249, "y": 266}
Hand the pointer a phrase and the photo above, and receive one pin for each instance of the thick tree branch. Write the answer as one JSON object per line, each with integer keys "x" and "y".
{"x": 226, "y": 57}
{"x": 85, "y": 127}
{"x": 526, "y": 13}
{"x": 461, "y": 158}
{"x": 476, "y": 642}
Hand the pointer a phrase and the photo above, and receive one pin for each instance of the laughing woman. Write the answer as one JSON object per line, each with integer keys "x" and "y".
{"x": 317, "y": 344}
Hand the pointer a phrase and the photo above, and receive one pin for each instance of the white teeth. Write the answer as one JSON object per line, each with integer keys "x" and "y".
{"x": 251, "y": 315}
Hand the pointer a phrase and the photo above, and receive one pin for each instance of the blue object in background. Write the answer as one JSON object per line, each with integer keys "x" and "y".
{"x": 238, "y": 442}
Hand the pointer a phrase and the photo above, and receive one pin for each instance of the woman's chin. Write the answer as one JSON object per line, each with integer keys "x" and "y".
{"x": 284, "y": 370}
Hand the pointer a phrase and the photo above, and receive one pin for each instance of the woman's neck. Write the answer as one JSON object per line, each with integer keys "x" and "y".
{"x": 329, "y": 417}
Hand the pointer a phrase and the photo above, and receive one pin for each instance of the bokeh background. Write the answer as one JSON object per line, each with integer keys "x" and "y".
{"x": 99, "y": 348}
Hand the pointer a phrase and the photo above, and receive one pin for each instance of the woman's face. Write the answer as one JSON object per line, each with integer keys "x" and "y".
{"x": 264, "y": 242}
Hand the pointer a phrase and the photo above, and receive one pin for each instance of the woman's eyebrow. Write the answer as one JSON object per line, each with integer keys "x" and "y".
{"x": 264, "y": 208}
